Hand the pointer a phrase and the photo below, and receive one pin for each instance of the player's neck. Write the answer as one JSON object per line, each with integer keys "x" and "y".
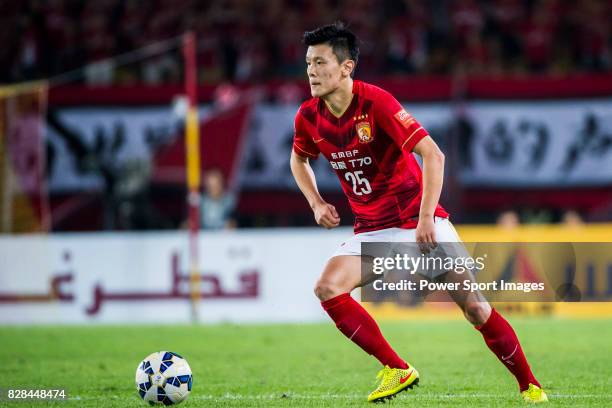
{"x": 338, "y": 101}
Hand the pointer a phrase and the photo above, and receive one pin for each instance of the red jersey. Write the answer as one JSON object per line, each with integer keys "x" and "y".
{"x": 370, "y": 149}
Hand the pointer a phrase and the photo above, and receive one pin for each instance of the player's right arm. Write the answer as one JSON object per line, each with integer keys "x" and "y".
{"x": 304, "y": 148}
{"x": 325, "y": 214}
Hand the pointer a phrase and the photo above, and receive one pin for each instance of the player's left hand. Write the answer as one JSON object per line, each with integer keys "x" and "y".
{"x": 426, "y": 234}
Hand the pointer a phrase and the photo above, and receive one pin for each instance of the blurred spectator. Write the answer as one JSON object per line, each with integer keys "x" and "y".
{"x": 28, "y": 63}
{"x": 217, "y": 208}
{"x": 508, "y": 220}
{"x": 131, "y": 196}
{"x": 467, "y": 17}
{"x": 476, "y": 54}
{"x": 161, "y": 69}
{"x": 226, "y": 96}
{"x": 241, "y": 40}
{"x": 538, "y": 37}
{"x": 100, "y": 73}
{"x": 572, "y": 218}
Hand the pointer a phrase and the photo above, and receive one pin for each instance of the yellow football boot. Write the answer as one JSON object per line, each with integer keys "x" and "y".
{"x": 534, "y": 395}
{"x": 392, "y": 382}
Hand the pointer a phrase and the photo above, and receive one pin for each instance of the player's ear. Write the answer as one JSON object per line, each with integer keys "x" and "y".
{"x": 347, "y": 67}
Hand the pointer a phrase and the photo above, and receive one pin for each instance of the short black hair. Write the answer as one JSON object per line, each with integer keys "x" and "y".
{"x": 338, "y": 36}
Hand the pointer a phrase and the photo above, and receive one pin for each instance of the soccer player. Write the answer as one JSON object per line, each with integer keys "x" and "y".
{"x": 368, "y": 139}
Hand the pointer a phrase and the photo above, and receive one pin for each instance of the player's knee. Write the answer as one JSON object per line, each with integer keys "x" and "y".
{"x": 325, "y": 290}
{"x": 477, "y": 313}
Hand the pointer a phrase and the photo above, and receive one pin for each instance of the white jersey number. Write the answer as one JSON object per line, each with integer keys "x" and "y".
{"x": 358, "y": 182}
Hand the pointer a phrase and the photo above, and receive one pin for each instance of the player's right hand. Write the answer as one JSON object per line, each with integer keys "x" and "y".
{"x": 326, "y": 215}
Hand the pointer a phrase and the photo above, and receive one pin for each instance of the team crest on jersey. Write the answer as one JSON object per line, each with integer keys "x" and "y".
{"x": 364, "y": 132}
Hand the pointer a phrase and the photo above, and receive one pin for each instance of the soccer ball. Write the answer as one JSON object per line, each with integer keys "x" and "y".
{"x": 163, "y": 378}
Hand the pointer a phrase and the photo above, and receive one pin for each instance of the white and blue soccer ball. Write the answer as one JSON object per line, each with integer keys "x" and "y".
{"x": 163, "y": 378}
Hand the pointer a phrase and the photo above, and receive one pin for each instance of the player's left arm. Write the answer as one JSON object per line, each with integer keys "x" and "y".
{"x": 410, "y": 136}
{"x": 433, "y": 177}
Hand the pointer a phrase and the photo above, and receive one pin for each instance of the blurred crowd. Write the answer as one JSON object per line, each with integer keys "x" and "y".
{"x": 511, "y": 219}
{"x": 250, "y": 40}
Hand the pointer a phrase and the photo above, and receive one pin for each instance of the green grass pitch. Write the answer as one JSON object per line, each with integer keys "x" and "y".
{"x": 308, "y": 365}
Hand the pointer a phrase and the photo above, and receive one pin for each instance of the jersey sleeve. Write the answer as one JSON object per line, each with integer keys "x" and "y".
{"x": 404, "y": 129}
{"x": 303, "y": 144}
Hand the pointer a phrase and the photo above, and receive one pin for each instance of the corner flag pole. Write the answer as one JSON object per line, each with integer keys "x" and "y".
{"x": 192, "y": 152}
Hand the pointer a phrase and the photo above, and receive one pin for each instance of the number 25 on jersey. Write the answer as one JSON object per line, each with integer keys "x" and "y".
{"x": 361, "y": 185}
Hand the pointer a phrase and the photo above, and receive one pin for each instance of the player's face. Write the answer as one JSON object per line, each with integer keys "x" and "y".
{"x": 323, "y": 69}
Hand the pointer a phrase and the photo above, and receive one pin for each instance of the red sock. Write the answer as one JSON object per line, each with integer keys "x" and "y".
{"x": 356, "y": 324}
{"x": 501, "y": 339}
